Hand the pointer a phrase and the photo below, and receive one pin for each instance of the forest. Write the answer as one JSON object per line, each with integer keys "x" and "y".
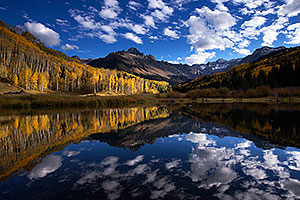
{"x": 271, "y": 74}
{"x": 28, "y": 63}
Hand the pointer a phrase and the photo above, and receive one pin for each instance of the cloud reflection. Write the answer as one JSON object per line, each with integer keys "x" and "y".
{"x": 47, "y": 166}
{"x": 219, "y": 166}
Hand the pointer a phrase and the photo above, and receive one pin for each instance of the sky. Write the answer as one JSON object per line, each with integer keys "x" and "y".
{"x": 178, "y": 31}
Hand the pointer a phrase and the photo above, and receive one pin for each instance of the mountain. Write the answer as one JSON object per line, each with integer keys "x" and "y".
{"x": 222, "y": 65}
{"x": 259, "y": 53}
{"x": 217, "y": 66}
{"x": 27, "y": 63}
{"x": 276, "y": 68}
{"x": 222, "y": 120}
{"x": 83, "y": 60}
{"x": 146, "y": 66}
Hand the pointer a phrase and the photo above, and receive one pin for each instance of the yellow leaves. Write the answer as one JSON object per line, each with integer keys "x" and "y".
{"x": 45, "y": 68}
{"x": 34, "y": 81}
{"x": 16, "y": 79}
{"x": 43, "y": 81}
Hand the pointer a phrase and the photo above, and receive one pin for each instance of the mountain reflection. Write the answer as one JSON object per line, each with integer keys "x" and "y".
{"x": 264, "y": 123}
{"x": 24, "y": 139}
{"x": 208, "y": 151}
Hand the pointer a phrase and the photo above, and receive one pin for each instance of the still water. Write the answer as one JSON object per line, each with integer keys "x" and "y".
{"x": 213, "y": 151}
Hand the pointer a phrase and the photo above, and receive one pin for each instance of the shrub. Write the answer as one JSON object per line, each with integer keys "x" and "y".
{"x": 288, "y": 92}
{"x": 262, "y": 91}
{"x": 175, "y": 94}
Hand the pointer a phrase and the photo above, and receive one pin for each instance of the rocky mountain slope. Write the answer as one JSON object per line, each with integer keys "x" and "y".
{"x": 222, "y": 65}
{"x": 147, "y": 66}
{"x": 83, "y": 60}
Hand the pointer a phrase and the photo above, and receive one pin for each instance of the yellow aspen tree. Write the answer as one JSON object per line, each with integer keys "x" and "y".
{"x": 73, "y": 78}
{"x": 15, "y": 79}
{"x": 27, "y": 76}
{"x": 43, "y": 81}
{"x": 67, "y": 76}
{"x": 34, "y": 81}
{"x": 94, "y": 79}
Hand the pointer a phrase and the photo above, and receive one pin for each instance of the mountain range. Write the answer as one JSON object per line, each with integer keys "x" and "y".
{"x": 279, "y": 68}
{"x": 146, "y": 66}
{"x": 137, "y": 63}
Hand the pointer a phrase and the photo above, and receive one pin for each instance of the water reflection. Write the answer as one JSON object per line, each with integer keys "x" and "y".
{"x": 186, "y": 152}
{"x": 24, "y": 139}
{"x": 265, "y": 174}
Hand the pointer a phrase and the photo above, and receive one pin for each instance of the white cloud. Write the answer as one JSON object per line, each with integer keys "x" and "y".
{"x": 153, "y": 37}
{"x": 108, "y": 13}
{"x": 222, "y": 7}
{"x": 133, "y": 37}
{"x": 137, "y": 28}
{"x": 291, "y": 9}
{"x": 108, "y": 29}
{"x": 204, "y": 37}
{"x": 243, "y": 51}
{"x": 162, "y": 11}
{"x": 110, "y": 10}
{"x": 170, "y": 33}
{"x": 62, "y": 22}
{"x": 109, "y": 39}
{"x": 251, "y": 3}
{"x": 293, "y": 33}
{"x": 45, "y": 34}
{"x": 156, "y": 4}
{"x": 199, "y": 58}
{"x": 134, "y": 5}
{"x": 85, "y": 21}
{"x": 221, "y": 20}
{"x": 255, "y": 22}
{"x": 177, "y": 61}
{"x": 245, "y": 11}
{"x": 208, "y": 32}
{"x": 149, "y": 21}
{"x": 251, "y": 28}
{"x": 271, "y": 32}
{"x": 69, "y": 47}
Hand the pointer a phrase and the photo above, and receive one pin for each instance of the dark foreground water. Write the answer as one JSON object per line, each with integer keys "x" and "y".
{"x": 181, "y": 152}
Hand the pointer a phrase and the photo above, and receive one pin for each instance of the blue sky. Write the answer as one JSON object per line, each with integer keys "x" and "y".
{"x": 187, "y": 31}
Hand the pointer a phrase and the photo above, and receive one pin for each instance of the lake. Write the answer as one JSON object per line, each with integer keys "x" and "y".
{"x": 193, "y": 151}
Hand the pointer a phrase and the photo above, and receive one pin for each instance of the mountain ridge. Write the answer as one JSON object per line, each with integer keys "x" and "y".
{"x": 146, "y": 66}
{"x": 277, "y": 69}
{"x": 135, "y": 62}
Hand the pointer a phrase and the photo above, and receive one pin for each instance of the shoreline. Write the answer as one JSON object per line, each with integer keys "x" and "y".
{"x": 68, "y": 101}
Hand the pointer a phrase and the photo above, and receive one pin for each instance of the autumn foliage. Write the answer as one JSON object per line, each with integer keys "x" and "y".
{"x": 259, "y": 78}
{"x": 28, "y": 63}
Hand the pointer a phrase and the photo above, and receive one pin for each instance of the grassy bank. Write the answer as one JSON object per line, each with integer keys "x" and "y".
{"x": 59, "y": 101}
{"x": 250, "y": 100}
